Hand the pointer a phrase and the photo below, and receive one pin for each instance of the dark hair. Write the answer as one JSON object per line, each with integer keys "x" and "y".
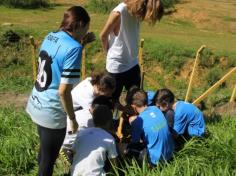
{"x": 139, "y": 98}
{"x": 102, "y": 100}
{"x": 74, "y": 17}
{"x": 163, "y": 96}
{"x": 130, "y": 94}
{"x": 102, "y": 115}
{"x": 103, "y": 80}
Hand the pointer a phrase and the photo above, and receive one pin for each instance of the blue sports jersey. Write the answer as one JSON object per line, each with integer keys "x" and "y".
{"x": 152, "y": 128}
{"x": 150, "y": 96}
{"x": 59, "y": 62}
{"x": 188, "y": 118}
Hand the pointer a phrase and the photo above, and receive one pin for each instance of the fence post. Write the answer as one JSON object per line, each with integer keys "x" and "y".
{"x": 33, "y": 50}
{"x": 193, "y": 72}
{"x": 141, "y": 63}
{"x": 233, "y": 95}
{"x": 83, "y": 64}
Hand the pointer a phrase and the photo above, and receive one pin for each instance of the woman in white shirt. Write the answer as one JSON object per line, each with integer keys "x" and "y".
{"x": 120, "y": 38}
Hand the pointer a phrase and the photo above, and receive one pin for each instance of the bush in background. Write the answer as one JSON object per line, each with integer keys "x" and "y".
{"x": 25, "y": 3}
{"x": 169, "y": 3}
{"x": 102, "y": 6}
{"x": 171, "y": 56}
{"x": 105, "y": 6}
{"x": 214, "y": 75}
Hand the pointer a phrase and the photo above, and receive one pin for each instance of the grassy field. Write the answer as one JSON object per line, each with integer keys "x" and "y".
{"x": 215, "y": 155}
{"x": 169, "y": 52}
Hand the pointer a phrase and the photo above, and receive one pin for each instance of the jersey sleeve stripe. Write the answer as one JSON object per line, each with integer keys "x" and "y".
{"x": 71, "y": 70}
{"x": 70, "y": 76}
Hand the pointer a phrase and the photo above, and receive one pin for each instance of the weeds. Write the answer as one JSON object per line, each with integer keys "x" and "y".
{"x": 15, "y": 61}
{"x": 25, "y": 3}
{"x": 105, "y": 6}
{"x": 17, "y": 141}
{"x": 215, "y": 155}
{"x": 102, "y": 6}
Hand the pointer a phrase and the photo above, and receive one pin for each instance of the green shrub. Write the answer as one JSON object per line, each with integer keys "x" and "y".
{"x": 102, "y": 6}
{"x": 105, "y": 6}
{"x": 214, "y": 75}
{"x": 169, "y": 3}
{"x": 25, "y": 3}
{"x": 171, "y": 56}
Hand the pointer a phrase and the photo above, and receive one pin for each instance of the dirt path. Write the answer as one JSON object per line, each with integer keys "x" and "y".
{"x": 14, "y": 99}
{"x": 226, "y": 109}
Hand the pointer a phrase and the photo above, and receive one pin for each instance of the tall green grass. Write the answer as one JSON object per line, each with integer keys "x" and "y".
{"x": 215, "y": 155}
{"x": 18, "y": 142}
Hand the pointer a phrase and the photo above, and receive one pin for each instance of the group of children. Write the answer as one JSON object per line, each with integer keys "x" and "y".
{"x": 151, "y": 125}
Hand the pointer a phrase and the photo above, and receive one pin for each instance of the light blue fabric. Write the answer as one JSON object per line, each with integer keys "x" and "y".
{"x": 59, "y": 62}
{"x": 151, "y": 126}
{"x": 150, "y": 96}
{"x": 188, "y": 118}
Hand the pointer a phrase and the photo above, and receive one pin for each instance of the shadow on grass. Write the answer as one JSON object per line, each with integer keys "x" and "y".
{"x": 212, "y": 118}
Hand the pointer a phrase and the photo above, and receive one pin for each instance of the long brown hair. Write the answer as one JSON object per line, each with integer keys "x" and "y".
{"x": 74, "y": 17}
{"x": 148, "y": 10}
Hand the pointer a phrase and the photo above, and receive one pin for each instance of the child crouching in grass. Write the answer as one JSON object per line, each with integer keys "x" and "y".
{"x": 84, "y": 117}
{"x": 93, "y": 145}
{"x": 188, "y": 120}
{"x": 150, "y": 130}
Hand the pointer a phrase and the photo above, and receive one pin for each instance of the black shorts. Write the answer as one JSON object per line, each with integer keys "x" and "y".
{"x": 126, "y": 79}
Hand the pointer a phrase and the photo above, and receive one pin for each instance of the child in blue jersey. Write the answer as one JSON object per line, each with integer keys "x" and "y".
{"x": 127, "y": 111}
{"x": 150, "y": 129}
{"x": 58, "y": 71}
{"x": 188, "y": 119}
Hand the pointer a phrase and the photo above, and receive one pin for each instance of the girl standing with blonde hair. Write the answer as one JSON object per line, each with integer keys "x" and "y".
{"x": 120, "y": 37}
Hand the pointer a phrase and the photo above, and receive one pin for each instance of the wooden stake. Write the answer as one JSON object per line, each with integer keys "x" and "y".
{"x": 193, "y": 72}
{"x": 33, "y": 50}
{"x": 83, "y": 65}
{"x": 141, "y": 63}
{"x": 233, "y": 96}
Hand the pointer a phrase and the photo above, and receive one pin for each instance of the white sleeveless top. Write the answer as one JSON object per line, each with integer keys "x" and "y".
{"x": 123, "y": 48}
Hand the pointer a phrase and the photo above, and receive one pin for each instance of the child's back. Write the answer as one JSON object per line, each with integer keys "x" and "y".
{"x": 92, "y": 147}
{"x": 188, "y": 118}
{"x": 156, "y": 134}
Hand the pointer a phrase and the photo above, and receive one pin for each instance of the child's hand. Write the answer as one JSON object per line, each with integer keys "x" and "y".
{"x": 119, "y": 133}
{"x": 88, "y": 38}
{"x": 132, "y": 118}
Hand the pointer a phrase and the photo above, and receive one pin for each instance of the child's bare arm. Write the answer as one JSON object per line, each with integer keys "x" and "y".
{"x": 110, "y": 26}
